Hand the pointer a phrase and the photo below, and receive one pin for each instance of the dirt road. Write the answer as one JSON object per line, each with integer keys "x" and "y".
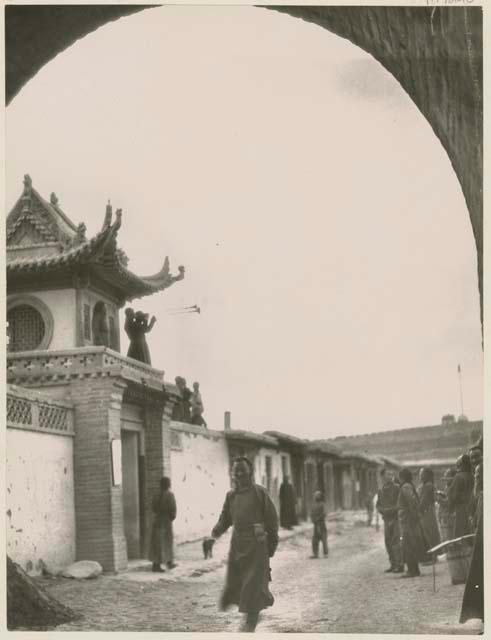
{"x": 345, "y": 593}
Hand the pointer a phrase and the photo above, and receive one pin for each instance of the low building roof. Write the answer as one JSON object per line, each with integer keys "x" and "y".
{"x": 388, "y": 460}
{"x": 324, "y": 447}
{"x": 429, "y": 462}
{"x": 242, "y": 434}
{"x": 287, "y": 438}
{"x": 361, "y": 455}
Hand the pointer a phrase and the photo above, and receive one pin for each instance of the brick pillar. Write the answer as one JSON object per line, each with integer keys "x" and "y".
{"x": 98, "y": 504}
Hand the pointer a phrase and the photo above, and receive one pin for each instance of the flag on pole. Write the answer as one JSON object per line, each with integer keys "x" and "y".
{"x": 458, "y": 368}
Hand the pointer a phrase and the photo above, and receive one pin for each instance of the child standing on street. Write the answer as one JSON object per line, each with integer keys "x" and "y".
{"x": 318, "y": 516}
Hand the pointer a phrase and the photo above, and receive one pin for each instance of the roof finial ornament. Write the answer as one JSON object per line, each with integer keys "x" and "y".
{"x": 81, "y": 230}
{"x": 27, "y": 183}
{"x": 53, "y": 199}
{"x": 109, "y": 215}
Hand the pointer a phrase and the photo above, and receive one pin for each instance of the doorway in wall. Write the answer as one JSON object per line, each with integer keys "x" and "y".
{"x": 132, "y": 444}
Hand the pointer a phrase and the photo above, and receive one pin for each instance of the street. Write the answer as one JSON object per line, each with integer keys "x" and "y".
{"x": 345, "y": 593}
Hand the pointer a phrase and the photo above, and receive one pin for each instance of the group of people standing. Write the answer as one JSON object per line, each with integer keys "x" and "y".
{"x": 411, "y": 527}
{"x": 416, "y": 519}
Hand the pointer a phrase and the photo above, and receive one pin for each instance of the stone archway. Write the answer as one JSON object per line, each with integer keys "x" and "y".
{"x": 435, "y": 53}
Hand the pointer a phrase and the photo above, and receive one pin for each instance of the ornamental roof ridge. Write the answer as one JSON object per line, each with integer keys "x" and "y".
{"x": 46, "y": 218}
{"x": 101, "y": 252}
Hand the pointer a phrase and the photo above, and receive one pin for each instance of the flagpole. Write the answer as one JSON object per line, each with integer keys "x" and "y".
{"x": 459, "y": 371}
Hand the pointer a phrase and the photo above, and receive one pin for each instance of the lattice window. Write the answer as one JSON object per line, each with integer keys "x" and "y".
{"x": 18, "y": 411}
{"x": 26, "y": 328}
{"x": 53, "y": 417}
{"x": 87, "y": 321}
{"x": 175, "y": 440}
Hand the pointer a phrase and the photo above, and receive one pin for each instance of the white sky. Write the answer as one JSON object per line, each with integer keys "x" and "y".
{"x": 324, "y": 233}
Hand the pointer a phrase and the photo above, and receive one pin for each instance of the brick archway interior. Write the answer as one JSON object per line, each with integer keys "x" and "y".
{"x": 435, "y": 53}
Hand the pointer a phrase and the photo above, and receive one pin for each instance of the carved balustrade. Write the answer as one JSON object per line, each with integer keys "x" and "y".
{"x": 38, "y": 368}
{"x": 34, "y": 411}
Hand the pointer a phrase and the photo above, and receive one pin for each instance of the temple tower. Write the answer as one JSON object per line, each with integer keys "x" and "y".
{"x": 64, "y": 294}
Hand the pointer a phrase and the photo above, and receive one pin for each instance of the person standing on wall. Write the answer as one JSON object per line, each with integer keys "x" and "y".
{"x": 252, "y": 513}
{"x": 162, "y": 536}
{"x": 387, "y": 507}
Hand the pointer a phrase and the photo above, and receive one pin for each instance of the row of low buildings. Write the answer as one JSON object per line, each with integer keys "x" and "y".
{"x": 90, "y": 431}
{"x": 85, "y": 456}
{"x": 436, "y": 446}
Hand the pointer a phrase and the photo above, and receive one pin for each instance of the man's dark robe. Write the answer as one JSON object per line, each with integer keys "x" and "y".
{"x": 288, "y": 513}
{"x": 248, "y": 571}
{"x": 413, "y": 542}
{"x": 473, "y": 601}
{"x": 459, "y": 499}
{"x": 387, "y": 507}
{"x": 162, "y": 536}
{"x": 428, "y": 514}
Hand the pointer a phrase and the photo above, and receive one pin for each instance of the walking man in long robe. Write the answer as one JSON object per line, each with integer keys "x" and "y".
{"x": 252, "y": 513}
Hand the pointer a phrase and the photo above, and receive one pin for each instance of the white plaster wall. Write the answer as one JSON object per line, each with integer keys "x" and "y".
{"x": 200, "y": 479}
{"x": 276, "y": 471}
{"x": 40, "y": 500}
{"x": 61, "y": 303}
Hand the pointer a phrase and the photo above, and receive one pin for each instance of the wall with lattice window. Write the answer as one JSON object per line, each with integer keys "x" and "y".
{"x": 40, "y": 481}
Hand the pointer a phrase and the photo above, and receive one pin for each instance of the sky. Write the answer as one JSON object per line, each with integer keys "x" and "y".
{"x": 324, "y": 233}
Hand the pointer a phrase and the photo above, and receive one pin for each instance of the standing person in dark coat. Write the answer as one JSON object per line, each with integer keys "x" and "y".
{"x": 426, "y": 494}
{"x": 459, "y": 496}
{"x": 412, "y": 539}
{"x": 473, "y": 601}
{"x": 387, "y": 507}
{"x": 318, "y": 517}
{"x": 475, "y": 456}
{"x": 252, "y": 513}
{"x": 446, "y": 520}
{"x": 288, "y": 512}
{"x": 162, "y": 536}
